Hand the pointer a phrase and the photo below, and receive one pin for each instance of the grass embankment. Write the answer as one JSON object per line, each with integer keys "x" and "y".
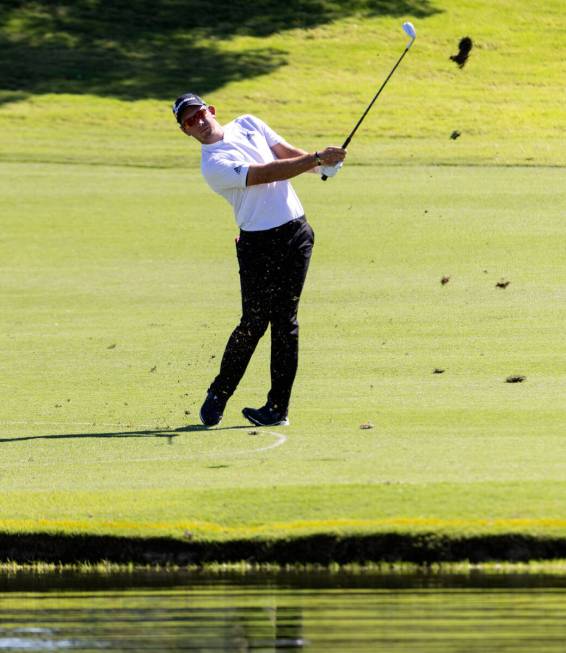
{"x": 120, "y": 288}
{"x": 94, "y": 84}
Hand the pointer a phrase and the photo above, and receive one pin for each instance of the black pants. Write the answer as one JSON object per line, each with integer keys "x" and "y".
{"x": 273, "y": 268}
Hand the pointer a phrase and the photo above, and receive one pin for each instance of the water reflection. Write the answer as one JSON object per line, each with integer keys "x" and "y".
{"x": 282, "y": 612}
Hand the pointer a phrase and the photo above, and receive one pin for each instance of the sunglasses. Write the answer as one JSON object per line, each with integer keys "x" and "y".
{"x": 191, "y": 121}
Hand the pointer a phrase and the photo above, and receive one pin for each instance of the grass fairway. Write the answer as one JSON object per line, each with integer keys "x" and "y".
{"x": 118, "y": 303}
{"x": 120, "y": 286}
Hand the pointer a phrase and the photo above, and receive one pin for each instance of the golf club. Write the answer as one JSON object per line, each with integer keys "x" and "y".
{"x": 409, "y": 31}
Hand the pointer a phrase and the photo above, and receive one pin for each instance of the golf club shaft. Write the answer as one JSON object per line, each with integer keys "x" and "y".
{"x": 351, "y": 135}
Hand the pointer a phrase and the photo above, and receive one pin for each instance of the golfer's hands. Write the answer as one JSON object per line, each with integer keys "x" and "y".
{"x": 332, "y": 159}
{"x": 330, "y": 156}
{"x": 330, "y": 171}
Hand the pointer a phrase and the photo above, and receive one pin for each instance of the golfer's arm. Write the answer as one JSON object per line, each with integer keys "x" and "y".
{"x": 285, "y": 151}
{"x": 280, "y": 169}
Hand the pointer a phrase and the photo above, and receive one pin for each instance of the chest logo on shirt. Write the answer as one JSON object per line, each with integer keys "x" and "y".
{"x": 238, "y": 169}
{"x": 249, "y": 136}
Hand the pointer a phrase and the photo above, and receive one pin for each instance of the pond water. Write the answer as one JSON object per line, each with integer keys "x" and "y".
{"x": 193, "y": 611}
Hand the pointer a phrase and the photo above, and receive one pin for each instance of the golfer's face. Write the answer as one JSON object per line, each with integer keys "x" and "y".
{"x": 198, "y": 122}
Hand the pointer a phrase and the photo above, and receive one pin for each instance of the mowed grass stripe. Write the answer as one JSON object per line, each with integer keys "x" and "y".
{"x": 280, "y": 511}
{"x": 211, "y": 531}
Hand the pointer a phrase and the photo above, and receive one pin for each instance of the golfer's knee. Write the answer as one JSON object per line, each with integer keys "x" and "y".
{"x": 252, "y": 329}
{"x": 285, "y": 325}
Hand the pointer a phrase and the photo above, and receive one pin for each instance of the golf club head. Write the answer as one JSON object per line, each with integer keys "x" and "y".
{"x": 411, "y": 32}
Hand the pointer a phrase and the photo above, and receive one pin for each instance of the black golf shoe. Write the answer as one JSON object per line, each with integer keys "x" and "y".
{"x": 212, "y": 410}
{"x": 266, "y": 416}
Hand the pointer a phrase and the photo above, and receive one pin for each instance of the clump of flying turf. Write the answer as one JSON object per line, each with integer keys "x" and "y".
{"x": 519, "y": 378}
{"x": 464, "y": 49}
{"x": 455, "y": 134}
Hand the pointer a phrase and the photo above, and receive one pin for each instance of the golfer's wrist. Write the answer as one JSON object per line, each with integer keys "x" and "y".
{"x": 317, "y": 159}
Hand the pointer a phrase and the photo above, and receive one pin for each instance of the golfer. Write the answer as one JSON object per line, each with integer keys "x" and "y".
{"x": 249, "y": 164}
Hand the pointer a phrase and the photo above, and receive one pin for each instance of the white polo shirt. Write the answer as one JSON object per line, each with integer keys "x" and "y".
{"x": 225, "y": 164}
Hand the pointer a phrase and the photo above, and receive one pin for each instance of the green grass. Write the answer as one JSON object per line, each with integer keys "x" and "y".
{"x": 120, "y": 301}
{"x": 120, "y": 286}
{"x": 95, "y": 85}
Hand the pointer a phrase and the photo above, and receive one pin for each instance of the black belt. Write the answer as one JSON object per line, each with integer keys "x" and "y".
{"x": 275, "y": 230}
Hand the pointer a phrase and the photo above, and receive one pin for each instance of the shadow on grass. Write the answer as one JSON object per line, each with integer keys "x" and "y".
{"x": 159, "y": 48}
{"x": 153, "y": 433}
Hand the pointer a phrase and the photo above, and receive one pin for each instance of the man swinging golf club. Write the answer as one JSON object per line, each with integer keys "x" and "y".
{"x": 247, "y": 163}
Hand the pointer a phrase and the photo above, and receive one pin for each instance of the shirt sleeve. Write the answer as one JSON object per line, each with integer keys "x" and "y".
{"x": 271, "y": 136}
{"x": 222, "y": 174}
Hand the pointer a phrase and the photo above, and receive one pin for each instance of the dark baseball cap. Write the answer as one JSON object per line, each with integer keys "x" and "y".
{"x": 184, "y": 101}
